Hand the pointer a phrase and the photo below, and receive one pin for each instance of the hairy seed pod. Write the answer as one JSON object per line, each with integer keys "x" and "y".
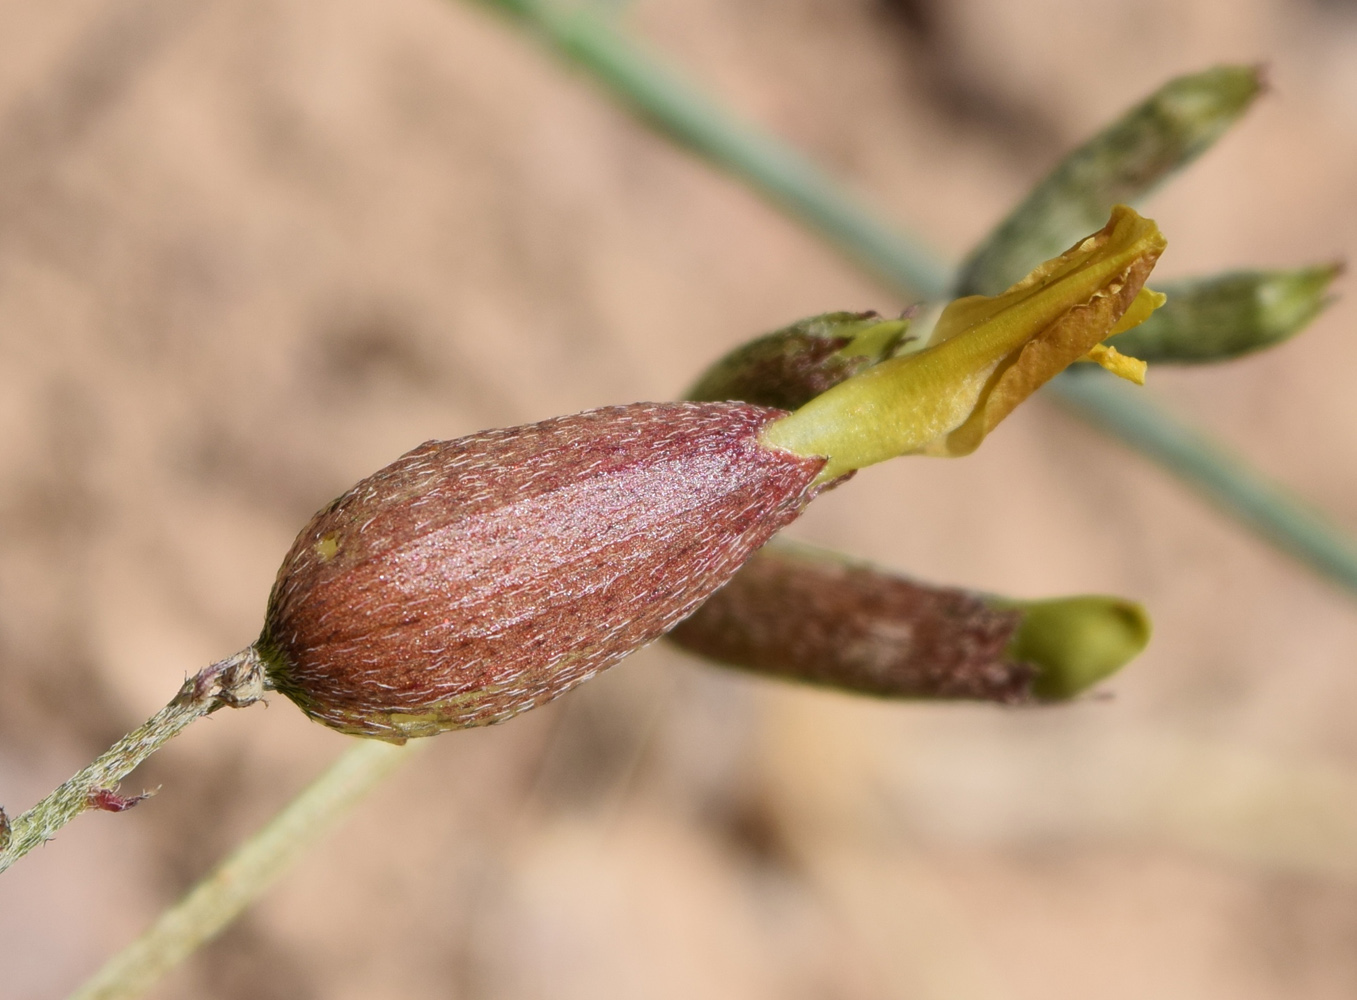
{"x": 808, "y": 615}
{"x": 473, "y": 579}
{"x": 804, "y": 615}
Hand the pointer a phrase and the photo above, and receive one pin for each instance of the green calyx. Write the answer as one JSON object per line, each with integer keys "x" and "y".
{"x": 1075, "y": 642}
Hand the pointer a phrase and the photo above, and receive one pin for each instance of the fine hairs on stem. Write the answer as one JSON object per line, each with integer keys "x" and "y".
{"x": 236, "y": 681}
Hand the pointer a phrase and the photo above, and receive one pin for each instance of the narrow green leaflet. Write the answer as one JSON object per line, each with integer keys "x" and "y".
{"x": 1120, "y": 164}
{"x": 1226, "y": 315}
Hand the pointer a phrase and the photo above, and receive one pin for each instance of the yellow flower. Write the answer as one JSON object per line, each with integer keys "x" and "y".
{"x": 985, "y": 356}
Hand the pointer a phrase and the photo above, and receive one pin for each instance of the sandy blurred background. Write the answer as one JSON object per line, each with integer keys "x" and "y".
{"x": 251, "y": 251}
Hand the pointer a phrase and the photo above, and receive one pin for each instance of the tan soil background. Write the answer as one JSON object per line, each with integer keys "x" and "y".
{"x": 251, "y": 251}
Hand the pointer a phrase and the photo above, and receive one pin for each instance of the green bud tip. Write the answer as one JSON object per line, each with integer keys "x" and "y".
{"x": 1224, "y": 316}
{"x": 1291, "y": 299}
{"x": 1075, "y": 642}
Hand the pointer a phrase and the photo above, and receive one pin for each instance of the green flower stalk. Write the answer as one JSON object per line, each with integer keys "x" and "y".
{"x": 236, "y": 681}
{"x": 1228, "y": 315}
{"x": 1122, "y": 163}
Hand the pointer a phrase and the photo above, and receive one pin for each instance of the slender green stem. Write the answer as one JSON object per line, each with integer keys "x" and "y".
{"x": 777, "y": 171}
{"x": 236, "y": 681}
{"x": 772, "y": 167}
{"x": 233, "y": 885}
{"x": 1271, "y": 511}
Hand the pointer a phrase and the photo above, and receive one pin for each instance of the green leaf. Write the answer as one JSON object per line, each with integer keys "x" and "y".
{"x": 1226, "y": 315}
{"x": 1121, "y": 164}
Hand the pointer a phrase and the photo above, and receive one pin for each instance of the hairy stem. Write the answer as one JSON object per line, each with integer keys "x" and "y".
{"x": 236, "y": 681}
{"x": 220, "y": 897}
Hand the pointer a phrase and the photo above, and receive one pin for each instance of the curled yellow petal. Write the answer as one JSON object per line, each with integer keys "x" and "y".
{"x": 985, "y": 356}
{"x": 1147, "y": 301}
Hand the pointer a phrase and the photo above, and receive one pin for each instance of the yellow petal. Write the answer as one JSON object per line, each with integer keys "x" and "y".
{"x": 1147, "y": 301}
{"x": 986, "y": 355}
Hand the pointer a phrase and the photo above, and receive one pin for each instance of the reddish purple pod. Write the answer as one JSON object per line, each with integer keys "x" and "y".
{"x": 811, "y": 616}
{"x": 473, "y": 579}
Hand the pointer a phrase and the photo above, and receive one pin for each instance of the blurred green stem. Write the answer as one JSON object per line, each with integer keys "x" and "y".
{"x": 780, "y": 173}
{"x": 773, "y": 168}
{"x": 1267, "y": 508}
{"x": 222, "y": 895}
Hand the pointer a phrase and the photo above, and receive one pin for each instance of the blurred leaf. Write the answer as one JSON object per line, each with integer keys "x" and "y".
{"x": 789, "y": 367}
{"x": 1226, "y": 315}
{"x": 1120, "y": 164}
